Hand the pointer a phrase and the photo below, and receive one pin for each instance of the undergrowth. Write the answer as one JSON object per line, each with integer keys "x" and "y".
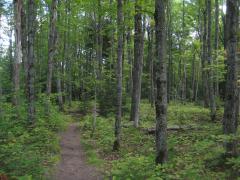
{"x": 195, "y": 153}
{"x": 28, "y": 153}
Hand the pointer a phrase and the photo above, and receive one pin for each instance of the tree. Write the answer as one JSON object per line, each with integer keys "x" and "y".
{"x": 231, "y": 108}
{"x": 216, "y": 43}
{"x": 209, "y": 58}
{"x": 31, "y": 18}
{"x": 119, "y": 74}
{"x": 18, "y": 50}
{"x": 161, "y": 82}
{"x": 137, "y": 66}
{"x": 52, "y": 42}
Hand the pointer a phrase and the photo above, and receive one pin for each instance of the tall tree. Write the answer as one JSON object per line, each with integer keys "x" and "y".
{"x": 31, "y": 18}
{"x": 161, "y": 81}
{"x": 216, "y": 43}
{"x": 119, "y": 74}
{"x": 58, "y": 71}
{"x": 18, "y": 50}
{"x": 204, "y": 57}
{"x": 137, "y": 66}
{"x": 231, "y": 109}
{"x": 209, "y": 58}
{"x": 52, "y": 43}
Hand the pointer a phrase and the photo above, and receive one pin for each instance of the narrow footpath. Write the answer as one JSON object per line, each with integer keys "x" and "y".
{"x": 73, "y": 165}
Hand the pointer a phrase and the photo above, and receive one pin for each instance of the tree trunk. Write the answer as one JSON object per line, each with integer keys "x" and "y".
{"x": 24, "y": 46}
{"x": 216, "y": 44}
{"x": 231, "y": 108}
{"x": 129, "y": 57}
{"x": 99, "y": 38}
{"x": 119, "y": 74}
{"x": 204, "y": 57}
{"x": 59, "y": 87}
{"x": 52, "y": 43}
{"x": 150, "y": 60}
{"x": 161, "y": 82}
{"x": 137, "y": 66}
{"x": 184, "y": 78}
{"x": 209, "y": 58}
{"x": 31, "y": 61}
{"x": 18, "y": 51}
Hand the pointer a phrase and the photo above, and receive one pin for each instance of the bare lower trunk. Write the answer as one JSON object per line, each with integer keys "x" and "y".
{"x": 52, "y": 41}
{"x": 216, "y": 44}
{"x": 119, "y": 75}
{"x": 31, "y": 61}
{"x": 94, "y": 111}
{"x": 209, "y": 58}
{"x": 161, "y": 82}
{"x": 204, "y": 57}
{"x": 231, "y": 108}
{"x": 150, "y": 60}
{"x": 59, "y": 88}
{"x": 18, "y": 52}
{"x": 137, "y": 66}
{"x": 1, "y": 110}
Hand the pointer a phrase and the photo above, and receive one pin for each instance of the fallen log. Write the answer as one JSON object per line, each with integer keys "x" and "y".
{"x": 171, "y": 128}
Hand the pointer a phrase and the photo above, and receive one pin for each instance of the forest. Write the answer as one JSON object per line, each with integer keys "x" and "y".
{"x": 119, "y": 89}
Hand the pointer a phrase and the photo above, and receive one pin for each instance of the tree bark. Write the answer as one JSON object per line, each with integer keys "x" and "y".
{"x": 216, "y": 44}
{"x": 59, "y": 87}
{"x": 137, "y": 66}
{"x": 31, "y": 60}
{"x": 161, "y": 82}
{"x": 150, "y": 60}
{"x": 209, "y": 58}
{"x": 231, "y": 108}
{"x": 52, "y": 43}
{"x": 24, "y": 45}
{"x": 119, "y": 74}
{"x": 99, "y": 38}
{"x": 18, "y": 51}
{"x": 204, "y": 57}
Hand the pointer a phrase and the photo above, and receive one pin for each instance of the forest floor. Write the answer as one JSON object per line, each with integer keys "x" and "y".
{"x": 73, "y": 164}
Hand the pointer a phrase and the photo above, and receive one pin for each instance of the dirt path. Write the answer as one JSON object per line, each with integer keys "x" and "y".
{"x": 73, "y": 164}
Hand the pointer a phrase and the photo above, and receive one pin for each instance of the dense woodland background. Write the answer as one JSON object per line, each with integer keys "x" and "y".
{"x": 156, "y": 84}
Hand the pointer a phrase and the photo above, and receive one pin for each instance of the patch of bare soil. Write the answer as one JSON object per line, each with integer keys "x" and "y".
{"x": 73, "y": 165}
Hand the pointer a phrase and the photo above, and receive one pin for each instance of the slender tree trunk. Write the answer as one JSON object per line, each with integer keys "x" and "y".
{"x": 119, "y": 74}
{"x": 18, "y": 51}
{"x": 129, "y": 57}
{"x": 170, "y": 60}
{"x": 58, "y": 69}
{"x": 216, "y": 44}
{"x": 184, "y": 78}
{"x": 161, "y": 82}
{"x": 59, "y": 87}
{"x": 24, "y": 45}
{"x": 137, "y": 66}
{"x": 1, "y": 110}
{"x": 209, "y": 58}
{"x": 52, "y": 43}
{"x": 150, "y": 60}
{"x": 231, "y": 108}
{"x": 10, "y": 53}
{"x": 193, "y": 77}
{"x": 204, "y": 57}
{"x": 99, "y": 38}
{"x": 31, "y": 61}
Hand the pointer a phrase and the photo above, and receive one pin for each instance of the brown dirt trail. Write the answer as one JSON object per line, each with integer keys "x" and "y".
{"x": 73, "y": 165}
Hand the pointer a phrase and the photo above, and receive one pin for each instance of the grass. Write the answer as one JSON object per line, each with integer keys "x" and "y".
{"x": 193, "y": 154}
{"x": 29, "y": 153}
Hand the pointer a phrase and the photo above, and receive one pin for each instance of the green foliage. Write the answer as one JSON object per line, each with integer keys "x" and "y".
{"x": 26, "y": 152}
{"x": 193, "y": 153}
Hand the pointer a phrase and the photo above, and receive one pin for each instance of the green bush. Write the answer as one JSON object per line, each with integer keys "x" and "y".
{"x": 26, "y": 153}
